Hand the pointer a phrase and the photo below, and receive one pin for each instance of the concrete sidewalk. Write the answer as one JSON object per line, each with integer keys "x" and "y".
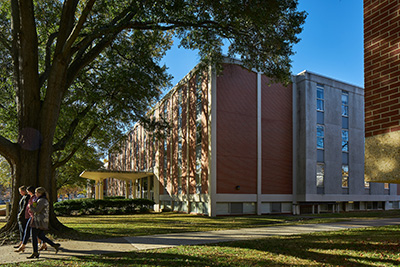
{"x": 125, "y": 244}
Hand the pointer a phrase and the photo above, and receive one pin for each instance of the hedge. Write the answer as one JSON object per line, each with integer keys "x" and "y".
{"x": 110, "y": 205}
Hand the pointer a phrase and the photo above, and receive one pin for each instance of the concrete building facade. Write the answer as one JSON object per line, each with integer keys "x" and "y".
{"x": 330, "y": 148}
{"x": 240, "y": 144}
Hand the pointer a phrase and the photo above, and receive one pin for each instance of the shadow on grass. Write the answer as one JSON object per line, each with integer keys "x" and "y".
{"x": 358, "y": 247}
{"x": 361, "y": 247}
{"x": 105, "y": 226}
{"x": 156, "y": 259}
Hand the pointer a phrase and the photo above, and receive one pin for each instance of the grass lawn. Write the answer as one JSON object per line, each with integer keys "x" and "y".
{"x": 358, "y": 247}
{"x": 108, "y": 226}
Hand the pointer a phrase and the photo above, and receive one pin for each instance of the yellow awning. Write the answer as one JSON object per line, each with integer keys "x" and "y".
{"x": 99, "y": 175}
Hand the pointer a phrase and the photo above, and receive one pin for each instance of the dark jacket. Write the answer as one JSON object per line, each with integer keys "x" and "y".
{"x": 40, "y": 210}
{"x": 22, "y": 206}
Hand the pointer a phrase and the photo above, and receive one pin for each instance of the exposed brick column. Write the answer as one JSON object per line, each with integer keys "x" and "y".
{"x": 382, "y": 93}
{"x": 381, "y": 66}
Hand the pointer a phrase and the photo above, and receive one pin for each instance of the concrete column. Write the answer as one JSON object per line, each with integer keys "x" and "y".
{"x": 148, "y": 188}
{"x": 96, "y": 190}
{"x": 156, "y": 194}
{"x": 294, "y": 145}
{"x": 212, "y": 149}
{"x": 259, "y": 145}
{"x": 188, "y": 146}
{"x": 101, "y": 189}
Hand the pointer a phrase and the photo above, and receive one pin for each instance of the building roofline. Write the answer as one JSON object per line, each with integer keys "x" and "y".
{"x": 305, "y": 72}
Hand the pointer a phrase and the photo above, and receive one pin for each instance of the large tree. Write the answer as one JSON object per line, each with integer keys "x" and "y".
{"x": 76, "y": 73}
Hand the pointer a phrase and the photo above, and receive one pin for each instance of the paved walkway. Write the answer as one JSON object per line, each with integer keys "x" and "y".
{"x": 125, "y": 244}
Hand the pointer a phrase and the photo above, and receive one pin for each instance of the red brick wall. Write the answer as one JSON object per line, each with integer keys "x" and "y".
{"x": 382, "y": 66}
{"x": 236, "y": 131}
{"x": 276, "y": 138}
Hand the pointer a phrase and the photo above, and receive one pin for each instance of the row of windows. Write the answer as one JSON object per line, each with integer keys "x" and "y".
{"x": 199, "y": 129}
{"x": 320, "y": 174}
{"x": 345, "y": 139}
{"x": 198, "y": 148}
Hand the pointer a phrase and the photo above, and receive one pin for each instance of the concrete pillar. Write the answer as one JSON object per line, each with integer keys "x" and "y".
{"x": 96, "y": 190}
{"x": 148, "y": 187}
{"x": 127, "y": 187}
{"x": 259, "y": 145}
{"x": 212, "y": 182}
{"x": 101, "y": 189}
{"x": 156, "y": 194}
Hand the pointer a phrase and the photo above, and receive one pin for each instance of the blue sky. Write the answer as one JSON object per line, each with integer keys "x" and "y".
{"x": 331, "y": 45}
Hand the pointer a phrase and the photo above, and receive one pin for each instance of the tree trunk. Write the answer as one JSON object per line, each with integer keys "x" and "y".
{"x": 27, "y": 173}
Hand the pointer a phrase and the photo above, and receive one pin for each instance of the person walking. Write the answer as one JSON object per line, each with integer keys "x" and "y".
{"x": 40, "y": 221}
{"x": 22, "y": 219}
{"x": 28, "y": 216}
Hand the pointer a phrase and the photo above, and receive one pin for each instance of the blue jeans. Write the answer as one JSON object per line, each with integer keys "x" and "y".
{"x": 39, "y": 233}
{"x": 21, "y": 228}
{"x": 27, "y": 232}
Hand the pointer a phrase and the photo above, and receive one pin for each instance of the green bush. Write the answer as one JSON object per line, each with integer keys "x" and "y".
{"x": 111, "y": 205}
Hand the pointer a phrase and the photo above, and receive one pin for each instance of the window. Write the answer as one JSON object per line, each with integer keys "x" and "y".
{"x": 199, "y": 129}
{"x": 345, "y": 176}
{"x": 144, "y": 151}
{"x": 345, "y": 110}
{"x": 137, "y": 156}
{"x": 199, "y": 96}
{"x": 386, "y": 186}
{"x": 345, "y": 103}
{"x": 180, "y": 138}
{"x": 320, "y": 174}
{"x": 320, "y": 97}
{"x": 320, "y": 137}
{"x": 165, "y": 148}
{"x": 165, "y": 164}
{"x": 345, "y": 140}
{"x": 153, "y": 149}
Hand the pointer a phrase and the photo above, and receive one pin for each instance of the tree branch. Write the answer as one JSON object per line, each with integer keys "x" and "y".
{"x": 64, "y": 161}
{"x": 8, "y": 149}
{"x": 43, "y": 77}
{"x": 82, "y": 59}
{"x": 78, "y": 27}
{"x": 15, "y": 32}
{"x": 60, "y": 145}
{"x": 85, "y": 60}
{"x": 66, "y": 23}
{"x": 6, "y": 42}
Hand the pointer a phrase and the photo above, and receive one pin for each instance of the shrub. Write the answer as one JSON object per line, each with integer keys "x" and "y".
{"x": 111, "y": 205}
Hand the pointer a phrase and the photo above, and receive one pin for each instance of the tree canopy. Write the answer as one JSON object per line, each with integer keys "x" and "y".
{"x": 76, "y": 73}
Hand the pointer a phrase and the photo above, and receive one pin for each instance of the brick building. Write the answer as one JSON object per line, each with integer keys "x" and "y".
{"x": 241, "y": 145}
{"x": 382, "y": 94}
